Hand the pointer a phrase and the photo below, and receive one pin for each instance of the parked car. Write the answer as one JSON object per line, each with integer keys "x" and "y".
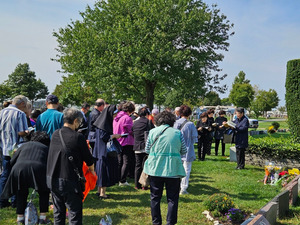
{"x": 253, "y": 123}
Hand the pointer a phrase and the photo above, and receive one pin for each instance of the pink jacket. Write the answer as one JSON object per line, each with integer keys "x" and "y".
{"x": 122, "y": 124}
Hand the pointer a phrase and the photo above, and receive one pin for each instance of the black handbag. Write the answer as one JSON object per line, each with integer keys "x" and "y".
{"x": 81, "y": 179}
{"x": 113, "y": 148}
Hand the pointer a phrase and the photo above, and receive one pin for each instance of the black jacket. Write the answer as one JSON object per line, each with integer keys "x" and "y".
{"x": 220, "y": 131}
{"x": 241, "y": 132}
{"x": 58, "y": 165}
{"x": 29, "y": 164}
{"x": 139, "y": 127}
{"x": 204, "y": 133}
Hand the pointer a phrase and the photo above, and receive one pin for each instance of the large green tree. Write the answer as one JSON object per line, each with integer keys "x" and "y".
{"x": 212, "y": 98}
{"x": 242, "y": 93}
{"x": 23, "y": 81}
{"x": 264, "y": 101}
{"x": 5, "y": 92}
{"x": 141, "y": 49}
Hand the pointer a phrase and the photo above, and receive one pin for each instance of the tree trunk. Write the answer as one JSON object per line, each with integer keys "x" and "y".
{"x": 150, "y": 87}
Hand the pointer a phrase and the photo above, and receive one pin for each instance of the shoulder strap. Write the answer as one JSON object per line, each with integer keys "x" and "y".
{"x": 182, "y": 125}
{"x": 70, "y": 157}
{"x": 158, "y": 137}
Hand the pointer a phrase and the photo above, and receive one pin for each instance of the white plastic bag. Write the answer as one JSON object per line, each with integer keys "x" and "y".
{"x": 108, "y": 221}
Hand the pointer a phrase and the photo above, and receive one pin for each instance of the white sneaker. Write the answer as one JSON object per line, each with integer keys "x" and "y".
{"x": 124, "y": 184}
{"x": 183, "y": 193}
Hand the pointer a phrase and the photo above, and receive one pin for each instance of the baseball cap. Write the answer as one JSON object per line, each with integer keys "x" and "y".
{"x": 52, "y": 99}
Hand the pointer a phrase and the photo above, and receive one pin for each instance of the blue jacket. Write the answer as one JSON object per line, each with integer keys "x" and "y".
{"x": 241, "y": 132}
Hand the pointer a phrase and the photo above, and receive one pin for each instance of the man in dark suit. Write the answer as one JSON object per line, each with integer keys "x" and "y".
{"x": 241, "y": 137}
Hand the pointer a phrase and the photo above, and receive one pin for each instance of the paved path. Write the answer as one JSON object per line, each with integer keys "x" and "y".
{"x": 272, "y": 120}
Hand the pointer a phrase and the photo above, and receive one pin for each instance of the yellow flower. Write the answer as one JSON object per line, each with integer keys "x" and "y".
{"x": 294, "y": 171}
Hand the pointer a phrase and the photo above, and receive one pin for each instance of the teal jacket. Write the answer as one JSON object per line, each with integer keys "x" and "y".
{"x": 164, "y": 158}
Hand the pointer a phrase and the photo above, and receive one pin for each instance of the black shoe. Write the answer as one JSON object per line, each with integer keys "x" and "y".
{"x": 238, "y": 168}
{"x": 45, "y": 221}
{"x": 97, "y": 194}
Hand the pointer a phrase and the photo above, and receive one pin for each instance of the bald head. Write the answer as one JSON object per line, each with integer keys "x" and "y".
{"x": 99, "y": 104}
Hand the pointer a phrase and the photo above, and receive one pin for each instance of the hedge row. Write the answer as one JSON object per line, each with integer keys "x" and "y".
{"x": 276, "y": 148}
{"x": 292, "y": 97}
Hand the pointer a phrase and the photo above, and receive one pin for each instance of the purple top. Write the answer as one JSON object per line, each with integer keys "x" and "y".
{"x": 122, "y": 125}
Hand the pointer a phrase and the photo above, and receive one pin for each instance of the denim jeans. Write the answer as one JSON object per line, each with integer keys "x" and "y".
{"x": 3, "y": 179}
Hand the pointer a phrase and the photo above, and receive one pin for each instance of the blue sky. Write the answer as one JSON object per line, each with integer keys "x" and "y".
{"x": 266, "y": 36}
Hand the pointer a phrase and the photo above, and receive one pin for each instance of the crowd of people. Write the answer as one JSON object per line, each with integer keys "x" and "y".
{"x": 45, "y": 150}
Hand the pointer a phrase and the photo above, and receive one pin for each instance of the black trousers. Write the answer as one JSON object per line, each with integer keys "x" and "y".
{"x": 203, "y": 145}
{"x": 240, "y": 157}
{"x": 65, "y": 197}
{"x": 172, "y": 189}
{"x": 126, "y": 161}
{"x": 22, "y": 201}
{"x": 217, "y": 146}
{"x": 139, "y": 159}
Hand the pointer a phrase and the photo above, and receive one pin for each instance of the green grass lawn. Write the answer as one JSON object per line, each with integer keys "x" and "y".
{"x": 215, "y": 175}
{"x": 265, "y": 125}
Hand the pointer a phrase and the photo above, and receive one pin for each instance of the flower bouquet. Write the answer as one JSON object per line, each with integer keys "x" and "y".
{"x": 271, "y": 173}
{"x": 286, "y": 176}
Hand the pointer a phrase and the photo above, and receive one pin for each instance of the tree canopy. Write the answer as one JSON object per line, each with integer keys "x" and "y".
{"x": 212, "y": 98}
{"x": 23, "y": 82}
{"x": 242, "y": 93}
{"x": 142, "y": 50}
{"x": 264, "y": 101}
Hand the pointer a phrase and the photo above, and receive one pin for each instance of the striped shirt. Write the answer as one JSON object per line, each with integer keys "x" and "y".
{"x": 12, "y": 121}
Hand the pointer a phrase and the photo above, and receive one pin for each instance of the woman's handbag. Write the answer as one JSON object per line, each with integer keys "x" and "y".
{"x": 31, "y": 214}
{"x": 144, "y": 178}
{"x": 113, "y": 148}
{"x": 228, "y": 136}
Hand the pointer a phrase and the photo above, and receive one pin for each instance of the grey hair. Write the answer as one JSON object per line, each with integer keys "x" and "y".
{"x": 19, "y": 99}
{"x": 70, "y": 114}
{"x": 29, "y": 105}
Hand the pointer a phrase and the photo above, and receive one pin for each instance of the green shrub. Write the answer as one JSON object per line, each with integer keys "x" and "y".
{"x": 219, "y": 202}
{"x": 276, "y": 125}
{"x": 277, "y": 148}
{"x": 292, "y": 97}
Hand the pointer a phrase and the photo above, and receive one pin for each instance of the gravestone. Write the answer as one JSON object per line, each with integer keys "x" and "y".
{"x": 282, "y": 200}
{"x": 269, "y": 211}
{"x": 294, "y": 192}
{"x": 232, "y": 154}
{"x": 258, "y": 220}
{"x": 292, "y": 187}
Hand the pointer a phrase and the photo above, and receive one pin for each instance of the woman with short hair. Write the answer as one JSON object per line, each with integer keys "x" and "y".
{"x": 165, "y": 145}
{"x": 123, "y": 125}
{"x": 220, "y": 130}
{"x": 62, "y": 177}
{"x": 204, "y": 128}
{"x": 140, "y": 126}
{"x": 189, "y": 132}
